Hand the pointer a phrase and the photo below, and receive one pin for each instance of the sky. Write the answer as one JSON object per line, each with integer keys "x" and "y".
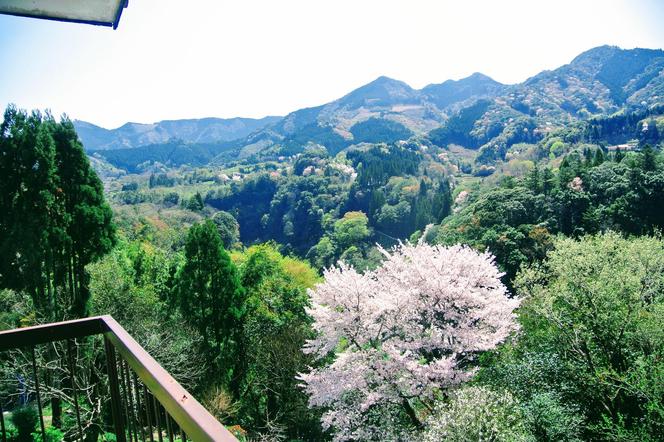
{"x": 173, "y": 59}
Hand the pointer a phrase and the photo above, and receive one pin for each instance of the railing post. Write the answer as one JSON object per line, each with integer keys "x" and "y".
{"x": 35, "y": 374}
{"x": 115, "y": 391}
{"x": 148, "y": 412}
{"x": 157, "y": 413}
{"x": 72, "y": 374}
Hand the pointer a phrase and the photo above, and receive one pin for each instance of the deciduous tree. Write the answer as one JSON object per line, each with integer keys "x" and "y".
{"x": 400, "y": 334}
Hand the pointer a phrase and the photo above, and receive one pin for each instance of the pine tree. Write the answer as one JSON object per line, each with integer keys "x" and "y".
{"x": 90, "y": 233}
{"x": 533, "y": 180}
{"x": 29, "y": 207}
{"x": 565, "y": 173}
{"x": 54, "y": 220}
{"x": 422, "y": 215}
{"x": 442, "y": 202}
{"x": 423, "y": 187}
{"x": 196, "y": 203}
{"x": 649, "y": 159}
{"x": 599, "y": 157}
{"x": 548, "y": 181}
{"x": 44, "y": 255}
{"x": 208, "y": 290}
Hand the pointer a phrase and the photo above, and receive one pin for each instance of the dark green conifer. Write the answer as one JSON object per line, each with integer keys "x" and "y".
{"x": 208, "y": 291}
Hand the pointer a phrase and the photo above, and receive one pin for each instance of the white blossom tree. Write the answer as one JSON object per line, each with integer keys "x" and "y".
{"x": 401, "y": 334}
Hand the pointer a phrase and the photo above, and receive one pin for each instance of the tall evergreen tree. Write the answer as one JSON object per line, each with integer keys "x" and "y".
{"x": 209, "y": 292}
{"x": 649, "y": 159}
{"x": 599, "y": 157}
{"x": 533, "y": 180}
{"x": 53, "y": 217}
{"x": 548, "y": 181}
{"x": 29, "y": 207}
{"x": 90, "y": 233}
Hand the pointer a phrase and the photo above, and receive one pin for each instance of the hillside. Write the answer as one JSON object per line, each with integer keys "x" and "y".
{"x": 204, "y": 130}
{"x": 601, "y": 81}
{"x": 475, "y": 112}
{"x": 418, "y": 110}
{"x": 598, "y": 82}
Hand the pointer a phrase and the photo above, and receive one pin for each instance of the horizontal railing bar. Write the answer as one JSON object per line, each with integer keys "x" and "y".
{"x": 192, "y": 417}
{"x": 44, "y": 333}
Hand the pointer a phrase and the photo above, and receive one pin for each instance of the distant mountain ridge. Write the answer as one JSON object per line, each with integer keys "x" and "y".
{"x": 203, "y": 130}
{"x": 418, "y": 110}
{"x": 600, "y": 81}
{"x": 450, "y": 92}
{"x": 476, "y": 112}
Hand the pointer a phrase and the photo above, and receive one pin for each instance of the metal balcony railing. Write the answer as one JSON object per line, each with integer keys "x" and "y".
{"x": 146, "y": 403}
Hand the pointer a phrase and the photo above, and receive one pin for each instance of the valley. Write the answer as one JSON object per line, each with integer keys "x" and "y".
{"x": 397, "y": 155}
{"x": 466, "y": 261}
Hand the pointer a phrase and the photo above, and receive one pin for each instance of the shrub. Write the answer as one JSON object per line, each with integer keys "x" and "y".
{"x": 477, "y": 414}
{"x": 25, "y": 421}
{"x": 171, "y": 199}
{"x": 10, "y": 431}
{"x": 549, "y": 420}
{"x": 52, "y": 435}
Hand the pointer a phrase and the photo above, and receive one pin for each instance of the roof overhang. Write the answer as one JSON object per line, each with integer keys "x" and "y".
{"x": 93, "y": 12}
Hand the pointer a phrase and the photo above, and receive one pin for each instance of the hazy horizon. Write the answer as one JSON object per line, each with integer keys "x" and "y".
{"x": 170, "y": 61}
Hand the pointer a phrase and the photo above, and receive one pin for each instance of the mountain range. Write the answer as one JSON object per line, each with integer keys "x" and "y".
{"x": 203, "y": 130}
{"x": 476, "y": 112}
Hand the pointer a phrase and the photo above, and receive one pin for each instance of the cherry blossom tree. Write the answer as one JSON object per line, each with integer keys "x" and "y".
{"x": 396, "y": 337}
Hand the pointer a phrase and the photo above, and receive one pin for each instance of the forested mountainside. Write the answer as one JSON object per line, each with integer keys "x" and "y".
{"x": 203, "y": 130}
{"x": 467, "y": 261}
{"x": 475, "y": 112}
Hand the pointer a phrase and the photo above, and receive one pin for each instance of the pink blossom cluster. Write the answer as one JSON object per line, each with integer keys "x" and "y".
{"x": 401, "y": 333}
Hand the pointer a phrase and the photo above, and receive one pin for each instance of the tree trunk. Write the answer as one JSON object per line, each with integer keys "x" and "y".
{"x": 70, "y": 276}
{"x": 410, "y": 411}
{"x": 56, "y": 407}
{"x": 75, "y": 275}
{"x": 54, "y": 381}
{"x": 48, "y": 275}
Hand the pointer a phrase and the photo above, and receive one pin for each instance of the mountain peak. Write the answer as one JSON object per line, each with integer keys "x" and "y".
{"x": 450, "y": 92}
{"x": 597, "y": 55}
{"x": 479, "y": 76}
{"x": 383, "y": 79}
{"x": 600, "y": 55}
{"x": 382, "y": 91}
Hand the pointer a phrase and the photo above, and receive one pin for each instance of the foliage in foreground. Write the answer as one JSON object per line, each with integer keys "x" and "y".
{"x": 275, "y": 329}
{"x": 54, "y": 220}
{"x": 599, "y": 304}
{"x": 592, "y": 339}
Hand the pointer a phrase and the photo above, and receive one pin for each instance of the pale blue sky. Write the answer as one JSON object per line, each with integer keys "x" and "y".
{"x": 187, "y": 59}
